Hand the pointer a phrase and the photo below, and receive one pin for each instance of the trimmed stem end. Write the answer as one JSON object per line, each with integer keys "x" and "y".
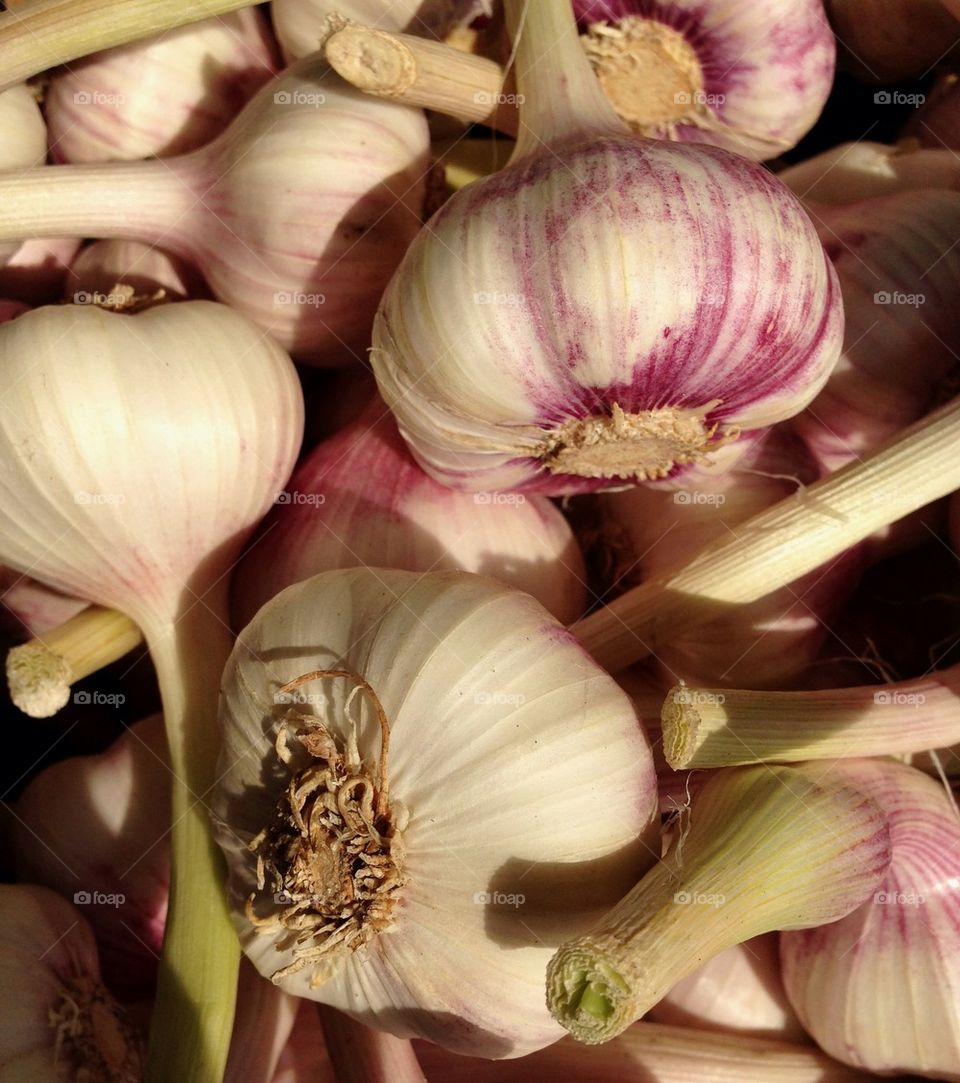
{"x": 586, "y": 995}
{"x": 39, "y": 680}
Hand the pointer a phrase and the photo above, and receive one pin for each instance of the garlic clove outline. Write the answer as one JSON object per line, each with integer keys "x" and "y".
{"x": 509, "y": 752}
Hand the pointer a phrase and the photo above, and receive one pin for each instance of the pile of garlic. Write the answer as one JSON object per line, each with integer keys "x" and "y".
{"x": 478, "y": 531}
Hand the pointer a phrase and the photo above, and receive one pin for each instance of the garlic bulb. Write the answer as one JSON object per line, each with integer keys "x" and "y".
{"x": 24, "y": 141}
{"x": 545, "y": 335}
{"x": 899, "y": 272}
{"x": 846, "y": 980}
{"x": 57, "y": 1022}
{"x": 35, "y": 272}
{"x": 296, "y": 215}
{"x": 304, "y": 1058}
{"x": 35, "y": 608}
{"x": 102, "y": 266}
{"x": 134, "y": 466}
{"x": 855, "y": 171}
{"x": 761, "y": 848}
{"x": 160, "y": 96}
{"x": 768, "y": 643}
{"x": 359, "y": 498}
{"x": 751, "y": 77}
{"x": 738, "y": 991}
{"x": 300, "y": 24}
{"x": 93, "y": 828}
{"x": 887, "y": 41}
{"x": 507, "y": 792}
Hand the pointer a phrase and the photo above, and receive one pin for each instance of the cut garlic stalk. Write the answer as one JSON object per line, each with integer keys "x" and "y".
{"x": 359, "y": 498}
{"x": 880, "y": 989}
{"x": 135, "y": 464}
{"x": 57, "y": 1021}
{"x": 764, "y": 848}
{"x": 425, "y": 785}
{"x": 595, "y": 314}
{"x": 720, "y": 727}
{"x": 650, "y": 1052}
{"x": 162, "y": 96}
{"x": 40, "y": 673}
{"x": 771, "y": 549}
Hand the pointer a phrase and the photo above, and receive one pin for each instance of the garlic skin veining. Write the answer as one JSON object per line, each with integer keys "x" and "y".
{"x": 880, "y": 989}
{"x": 160, "y": 96}
{"x": 516, "y": 800}
{"x": 300, "y": 24}
{"x": 748, "y": 75}
{"x": 359, "y": 498}
{"x": 605, "y": 309}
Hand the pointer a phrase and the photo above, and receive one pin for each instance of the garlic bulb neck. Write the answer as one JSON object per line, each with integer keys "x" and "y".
{"x": 671, "y": 91}
{"x": 332, "y": 858}
{"x": 94, "y": 1039}
{"x": 643, "y": 445}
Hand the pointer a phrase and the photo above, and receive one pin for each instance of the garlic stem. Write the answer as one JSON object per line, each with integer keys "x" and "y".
{"x": 558, "y": 94}
{"x": 723, "y": 727}
{"x": 41, "y": 672}
{"x": 360, "y": 1054}
{"x": 141, "y": 201}
{"x": 767, "y": 848}
{"x": 40, "y": 34}
{"x": 784, "y": 542}
{"x": 196, "y": 988}
{"x": 422, "y": 73}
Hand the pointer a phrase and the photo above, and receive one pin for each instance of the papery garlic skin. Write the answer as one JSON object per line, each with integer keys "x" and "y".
{"x": 95, "y": 826}
{"x": 57, "y": 1020}
{"x": 846, "y": 980}
{"x": 899, "y": 272}
{"x": 739, "y": 991}
{"x": 162, "y": 96}
{"x": 103, "y": 265}
{"x": 854, "y": 171}
{"x": 300, "y": 24}
{"x": 359, "y": 498}
{"x": 519, "y": 764}
{"x": 746, "y": 75}
{"x": 24, "y": 142}
{"x": 96, "y": 495}
{"x": 538, "y": 304}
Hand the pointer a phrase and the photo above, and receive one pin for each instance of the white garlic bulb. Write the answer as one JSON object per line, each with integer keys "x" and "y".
{"x": 24, "y": 139}
{"x": 505, "y": 795}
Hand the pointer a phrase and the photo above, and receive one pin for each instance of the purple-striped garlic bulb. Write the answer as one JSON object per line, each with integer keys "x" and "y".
{"x": 162, "y": 96}
{"x": 300, "y": 24}
{"x": 748, "y": 75}
{"x": 359, "y": 498}
{"x": 605, "y": 310}
{"x": 880, "y": 989}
